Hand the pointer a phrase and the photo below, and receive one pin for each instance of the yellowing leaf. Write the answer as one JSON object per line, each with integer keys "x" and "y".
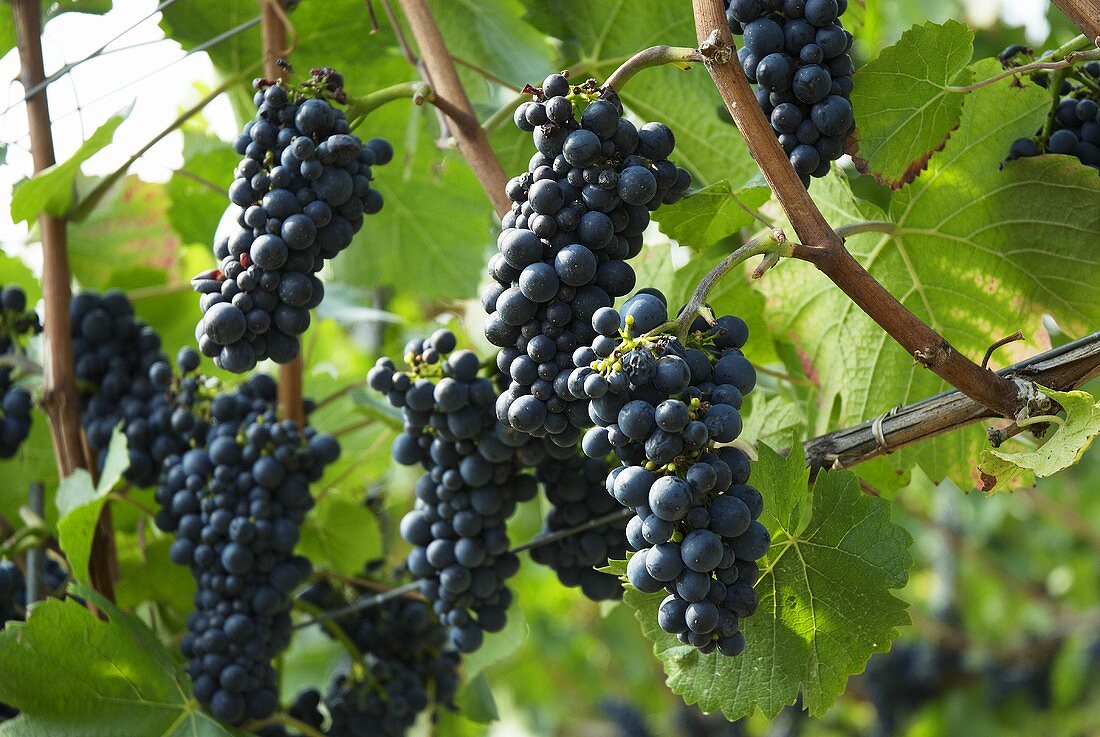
{"x": 1061, "y": 450}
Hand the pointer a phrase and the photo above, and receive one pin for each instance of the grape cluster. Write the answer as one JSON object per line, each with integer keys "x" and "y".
{"x": 575, "y": 490}
{"x": 1076, "y": 123}
{"x": 408, "y": 662}
{"x": 578, "y": 214}
{"x": 472, "y": 482}
{"x": 663, "y": 408}
{"x": 796, "y": 52}
{"x": 303, "y": 188}
{"x": 16, "y": 322}
{"x": 123, "y": 377}
{"x": 236, "y": 502}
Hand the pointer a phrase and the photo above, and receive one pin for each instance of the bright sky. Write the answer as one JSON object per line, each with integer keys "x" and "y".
{"x": 150, "y": 72}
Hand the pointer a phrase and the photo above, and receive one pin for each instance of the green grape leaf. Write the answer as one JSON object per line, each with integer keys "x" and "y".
{"x": 711, "y": 214}
{"x": 145, "y": 573}
{"x": 981, "y": 250}
{"x": 79, "y": 504}
{"x": 127, "y": 226}
{"x": 1058, "y": 452}
{"x": 341, "y": 531}
{"x": 772, "y": 419}
{"x": 476, "y": 702}
{"x": 904, "y": 109}
{"x": 491, "y": 34}
{"x": 51, "y": 190}
{"x": 498, "y": 645}
{"x": 197, "y": 192}
{"x": 825, "y": 598}
{"x": 70, "y": 673}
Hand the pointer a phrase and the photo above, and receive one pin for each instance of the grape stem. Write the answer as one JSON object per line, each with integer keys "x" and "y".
{"x": 287, "y": 721}
{"x": 360, "y": 107}
{"x": 824, "y": 247}
{"x": 413, "y": 588}
{"x": 337, "y": 633}
{"x": 1075, "y": 52}
{"x": 769, "y": 244}
{"x": 452, "y": 101}
{"x": 654, "y": 56}
{"x": 553, "y": 537}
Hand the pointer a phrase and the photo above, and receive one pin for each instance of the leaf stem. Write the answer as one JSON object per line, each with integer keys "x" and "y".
{"x": 1077, "y": 53}
{"x": 869, "y": 226}
{"x": 337, "y": 633}
{"x": 1041, "y": 420}
{"x": 769, "y": 243}
{"x": 654, "y": 56}
{"x": 360, "y": 107}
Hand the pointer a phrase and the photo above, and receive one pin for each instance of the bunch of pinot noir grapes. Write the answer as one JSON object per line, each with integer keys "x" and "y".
{"x": 1076, "y": 122}
{"x": 472, "y": 482}
{"x": 408, "y": 660}
{"x": 303, "y": 188}
{"x": 123, "y": 376}
{"x": 575, "y": 490}
{"x": 664, "y": 407}
{"x": 578, "y": 214}
{"x": 16, "y": 323}
{"x": 796, "y": 52}
{"x": 236, "y": 501}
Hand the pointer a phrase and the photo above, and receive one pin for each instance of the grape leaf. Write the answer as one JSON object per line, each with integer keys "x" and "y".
{"x": 341, "y": 531}
{"x": 1058, "y": 452}
{"x": 79, "y": 504}
{"x": 904, "y": 111}
{"x": 491, "y": 34}
{"x": 980, "y": 251}
{"x": 145, "y": 573}
{"x": 476, "y": 702}
{"x": 70, "y": 673}
{"x": 498, "y": 645}
{"x": 195, "y": 204}
{"x": 825, "y": 598}
{"x": 711, "y": 214}
{"x": 127, "y": 226}
{"x": 51, "y": 190}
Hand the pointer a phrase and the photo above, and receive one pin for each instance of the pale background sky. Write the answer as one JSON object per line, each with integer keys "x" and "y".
{"x": 152, "y": 74}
